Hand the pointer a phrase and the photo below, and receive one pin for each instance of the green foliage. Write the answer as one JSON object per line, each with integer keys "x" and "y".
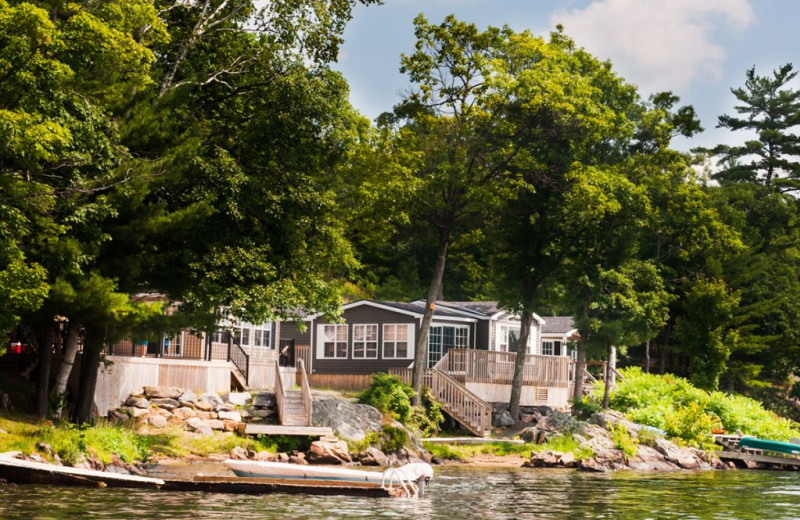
{"x": 389, "y": 395}
{"x": 283, "y": 443}
{"x": 688, "y": 414}
{"x": 585, "y": 407}
{"x": 444, "y": 451}
{"x": 393, "y": 439}
{"x": 623, "y": 440}
{"x": 103, "y": 440}
{"x": 564, "y": 444}
{"x": 426, "y": 419}
{"x": 647, "y": 437}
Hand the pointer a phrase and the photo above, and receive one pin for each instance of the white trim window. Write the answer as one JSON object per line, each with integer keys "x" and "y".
{"x": 333, "y": 340}
{"x": 173, "y": 345}
{"x": 365, "y": 341}
{"x": 218, "y": 336}
{"x": 442, "y": 338}
{"x": 241, "y": 334}
{"x": 508, "y": 338}
{"x": 398, "y": 341}
{"x": 262, "y": 335}
{"x": 547, "y": 348}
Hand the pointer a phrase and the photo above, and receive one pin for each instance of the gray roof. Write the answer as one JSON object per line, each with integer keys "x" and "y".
{"x": 485, "y": 308}
{"x": 557, "y": 324}
{"x": 419, "y": 308}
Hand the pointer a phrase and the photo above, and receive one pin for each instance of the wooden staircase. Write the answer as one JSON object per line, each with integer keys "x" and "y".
{"x": 472, "y": 412}
{"x": 294, "y": 406}
{"x": 238, "y": 379}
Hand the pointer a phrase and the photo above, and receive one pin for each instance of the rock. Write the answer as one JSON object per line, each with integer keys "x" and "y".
{"x": 115, "y": 416}
{"x": 212, "y": 398}
{"x": 264, "y": 400}
{"x": 184, "y": 412}
{"x": 567, "y": 460}
{"x": 373, "y": 457}
{"x": 215, "y": 424}
{"x": 166, "y": 403}
{"x": 245, "y": 414}
{"x": 161, "y": 411}
{"x": 327, "y": 452}
{"x": 207, "y": 415}
{"x": 134, "y": 412}
{"x": 528, "y": 418}
{"x": 543, "y": 459}
{"x": 282, "y": 457}
{"x": 503, "y": 419}
{"x": 225, "y": 407}
{"x": 556, "y": 422}
{"x": 158, "y": 421}
{"x": 230, "y": 426}
{"x": 350, "y": 421}
{"x": 264, "y": 456}
{"x": 260, "y": 412}
{"x": 591, "y": 465}
{"x": 239, "y": 398}
{"x": 231, "y": 416}
{"x": 238, "y": 453}
{"x": 198, "y": 425}
{"x": 168, "y": 392}
{"x": 297, "y": 459}
{"x": 138, "y": 402}
{"x": 188, "y": 398}
{"x": 175, "y": 421}
{"x": 204, "y": 406}
{"x": 138, "y": 391}
{"x": 529, "y": 434}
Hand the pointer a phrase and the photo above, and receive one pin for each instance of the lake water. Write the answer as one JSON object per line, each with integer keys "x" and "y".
{"x": 456, "y": 493}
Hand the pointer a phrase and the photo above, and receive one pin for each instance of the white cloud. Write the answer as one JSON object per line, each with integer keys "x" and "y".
{"x": 658, "y": 44}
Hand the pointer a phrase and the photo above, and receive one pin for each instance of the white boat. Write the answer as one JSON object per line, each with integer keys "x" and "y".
{"x": 414, "y": 475}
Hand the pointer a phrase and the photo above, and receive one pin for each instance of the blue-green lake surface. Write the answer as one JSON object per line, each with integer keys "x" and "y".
{"x": 456, "y": 493}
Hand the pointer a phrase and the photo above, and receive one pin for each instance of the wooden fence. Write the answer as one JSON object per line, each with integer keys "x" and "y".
{"x": 350, "y": 382}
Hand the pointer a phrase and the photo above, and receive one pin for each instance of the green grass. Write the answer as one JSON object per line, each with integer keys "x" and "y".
{"x": 463, "y": 452}
{"x": 564, "y": 444}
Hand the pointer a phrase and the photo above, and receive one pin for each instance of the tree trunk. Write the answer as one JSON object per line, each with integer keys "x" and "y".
{"x": 647, "y": 357}
{"x": 421, "y": 347}
{"x": 44, "y": 339}
{"x": 92, "y": 348}
{"x": 519, "y": 363}
{"x": 580, "y": 368}
{"x": 612, "y": 365}
{"x": 608, "y": 383}
{"x": 64, "y": 371}
{"x": 662, "y": 358}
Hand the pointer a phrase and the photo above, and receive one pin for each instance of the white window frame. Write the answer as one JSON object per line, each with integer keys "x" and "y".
{"x": 266, "y": 333}
{"x": 218, "y": 336}
{"x": 364, "y": 326}
{"x": 552, "y": 346}
{"x": 321, "y": 340}
{"x": 410, "y": 329}
{"x": 455, "y": 336}
{"x": 240, "y": 330}
{"x": 172, "y": 346}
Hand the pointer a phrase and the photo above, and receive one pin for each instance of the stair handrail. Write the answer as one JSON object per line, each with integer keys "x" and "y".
{"x": 280, "y": 393}
{"x": 240, "y": 359}
{"x": 476, "y": 408}
{"x": 306, "y": 389}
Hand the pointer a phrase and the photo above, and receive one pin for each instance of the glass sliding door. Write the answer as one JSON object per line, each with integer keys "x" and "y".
{"x": 442, "y": 338}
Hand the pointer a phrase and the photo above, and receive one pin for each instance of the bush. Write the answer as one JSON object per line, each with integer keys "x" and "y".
{"x": 389, "y": 395}
{"x": 688, "y": 414}
{"x": 426, "y": 419}
{"x": 585, "y": 407}
{"x": 647, "y": 437}
{"x": 623, "y": 440}
{"x": 393, "y": 439}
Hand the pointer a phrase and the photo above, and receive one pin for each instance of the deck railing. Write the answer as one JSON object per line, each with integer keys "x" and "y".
{"x": 302, "y": 353}
{"x": 486, "y": 366}
{"x": 280, "y": 393}
{"x": 306, "y": 390}
{"x": 240, "y": 359}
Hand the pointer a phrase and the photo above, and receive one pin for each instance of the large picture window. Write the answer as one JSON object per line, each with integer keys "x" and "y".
{"x": 173, "y": 345}
{"x": 365, "y": 341}
{"x": 444, "y": 337}
{"x": 396, "y": 341}
{"x": 508, "y": 338}
{"x": 334, "y": 338}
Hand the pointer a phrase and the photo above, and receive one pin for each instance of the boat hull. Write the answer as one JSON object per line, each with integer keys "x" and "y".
{"x": 766, "y": 445}
{"x": 280, "y": 470}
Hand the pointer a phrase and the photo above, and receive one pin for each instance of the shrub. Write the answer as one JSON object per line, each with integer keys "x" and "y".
{"x": 623, "y": 440}
{"x": 564, "y": 444}
{"x": 393, "y": 439}
{"x": 585, "y": 407}
{"x": 388, "y": 394}
{"x": 647, "y": 437}
{"x": 426, "y": 419}
{"x": 688, "y": 414}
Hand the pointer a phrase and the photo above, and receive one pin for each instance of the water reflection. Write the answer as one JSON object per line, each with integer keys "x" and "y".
{"x": 457, "y": 493}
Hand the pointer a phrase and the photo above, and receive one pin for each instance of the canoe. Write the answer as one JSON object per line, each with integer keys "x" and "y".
{"x": 766, "y": 445}
{"x": 279, "y": 470}
{"x": 20, "y": 471}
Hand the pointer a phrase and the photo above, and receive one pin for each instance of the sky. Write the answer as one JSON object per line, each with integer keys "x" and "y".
{"x": 699, "y": 49}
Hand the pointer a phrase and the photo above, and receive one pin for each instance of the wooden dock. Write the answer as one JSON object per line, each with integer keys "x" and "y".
{"x": 262, "y": 486}
{"x": 275, "y": 429}
{"x": 741, "y": 456}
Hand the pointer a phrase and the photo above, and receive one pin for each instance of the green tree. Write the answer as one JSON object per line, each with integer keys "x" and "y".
{"x": 771, "y": 109}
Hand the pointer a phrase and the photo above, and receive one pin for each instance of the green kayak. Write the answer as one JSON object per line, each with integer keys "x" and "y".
{"x": 762, "y": 444}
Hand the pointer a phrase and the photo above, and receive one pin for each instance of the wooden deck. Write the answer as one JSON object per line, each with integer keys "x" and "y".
{"x": 276, "y": 429}
{"x": 771, "y": 460}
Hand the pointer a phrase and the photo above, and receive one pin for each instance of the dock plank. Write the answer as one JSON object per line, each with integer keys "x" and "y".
{"x": 768, "y": 459}
{"x": 275, "y": 429}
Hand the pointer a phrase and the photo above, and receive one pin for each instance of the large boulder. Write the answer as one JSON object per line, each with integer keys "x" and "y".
{"x": 188, "y": 398}
{"x": 166, "y": 403}
{"x": 350, "y": 421}
{"x": 503, "y": 418}
{"x": 165, "y": 392}
{"x": 231, "y": 416}
{"x": 264, "y": 400}
{"x": 373, "y": 457}
{"x": 239, "y": 398}
{"x": 138, "y": 402}
{"x": 329, "y": 452}
{"x": 212, "y": 398}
